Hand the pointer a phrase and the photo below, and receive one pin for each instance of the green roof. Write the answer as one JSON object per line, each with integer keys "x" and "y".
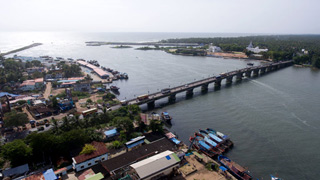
{"x": 95, "y": 177}
{"x": 197, "y": 154}
{"x": 176, "y": 157}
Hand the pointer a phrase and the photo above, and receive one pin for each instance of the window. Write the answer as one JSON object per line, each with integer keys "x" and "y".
{"x": 96, "y": 161}
{"x": 103, "y": 159}
{"x": 82, "y": 167}
{"x": 89, "y": 164}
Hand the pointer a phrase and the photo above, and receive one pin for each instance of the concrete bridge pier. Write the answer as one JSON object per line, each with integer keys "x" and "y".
{"x": 189, "y": 92}
{"x": 151, "y": 104}
{"x": 229, "y": 80}
{"x": 172, "y": 98}
{"x": 239, "y": 76}
{"x": 263, "y": 70}
{"x": 217, "y": 83}
{"x": 204, "y": 87}
{"x": 256, "y": 72}
{"x": 248, "y": 73}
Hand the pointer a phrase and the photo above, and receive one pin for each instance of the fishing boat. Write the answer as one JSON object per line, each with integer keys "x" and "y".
{"x": 225, "y": 138}
{"x": 165, "y": 117}
{"x": 250, "y": 64}
{"x": 223, "y": 148}
{"x": 275, "y": 177}
{"x": 114, "y": 88}
{"x": 234, "y": 168}
{"x": 200, "y": 145}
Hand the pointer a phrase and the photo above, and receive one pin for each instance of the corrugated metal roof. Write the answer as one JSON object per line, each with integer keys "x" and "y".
{"x": 16, "y": 170}
{"x": 95, "y": 177}
{"x": 155, "y": 163}
{"x": 49, "y": 175}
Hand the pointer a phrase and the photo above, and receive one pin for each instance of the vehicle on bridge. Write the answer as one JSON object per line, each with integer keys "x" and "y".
{"x": 143, "y": 97}
{"x": 165, "y": 91}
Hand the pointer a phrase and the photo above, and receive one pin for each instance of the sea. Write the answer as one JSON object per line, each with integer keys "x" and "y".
{"x": 273, "y": 119}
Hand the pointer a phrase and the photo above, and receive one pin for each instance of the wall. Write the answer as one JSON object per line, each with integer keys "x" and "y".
{"x": 86, "y": 165}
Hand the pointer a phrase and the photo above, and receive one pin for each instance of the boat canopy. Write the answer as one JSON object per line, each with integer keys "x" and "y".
{"x": 215, "y": 137}
{"x": 165, "y": 113}
{"x": 204, "y": 145}
{"x": 206, "y": 139}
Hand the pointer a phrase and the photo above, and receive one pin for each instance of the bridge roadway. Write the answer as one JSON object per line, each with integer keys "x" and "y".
{"x": 204, "y": 83}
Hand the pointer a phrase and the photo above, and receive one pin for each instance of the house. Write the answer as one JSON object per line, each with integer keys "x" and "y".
{"x": 214, "y": 48}
{"x": 30, "y": 85}
{"x": 111, "y": 133}
{"x": 117, "y": 165}
{"x": 65, "y": 104}
{"x": 135, "y": 142}
{"x": 53, "y": 76}
{"x": 84, "y": 161}
{"x": 16, "y": 171}
{"x": 39, "y": 111}
{"x": 49, "y": 174}
{"x": 256, "y": 49}
{"x": 158, "y": 165}
{"x": 35, "y": 69}
{"x": 82, "y": 86}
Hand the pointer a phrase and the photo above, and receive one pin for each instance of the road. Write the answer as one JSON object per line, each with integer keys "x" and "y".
{"x": 47, "y": 92}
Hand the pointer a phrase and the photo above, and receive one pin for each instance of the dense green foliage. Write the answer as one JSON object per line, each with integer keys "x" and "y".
{"x": 11, "y": 71}
{"x": 14, "y": 119}
{"x": 34, "y": 63}
{"x": 281, "y": 47}
{"x": 72, "y": 70}
{"x": 17, "y": 152}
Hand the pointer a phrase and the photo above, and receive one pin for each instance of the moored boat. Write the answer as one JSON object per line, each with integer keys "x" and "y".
{"x": 114, "y": 88}
{"x": 225, "y": 138}
{"x": 250, "y": 64}
{"x": 200, "y": 145}
{"x": 166, "y": 117}
{"x": 234, "y": 168}
{"x": 275, "y": 177}
{"x": 210, "y": 141}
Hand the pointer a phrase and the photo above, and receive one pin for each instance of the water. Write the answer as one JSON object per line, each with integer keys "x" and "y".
{"x": 273, "y": 119}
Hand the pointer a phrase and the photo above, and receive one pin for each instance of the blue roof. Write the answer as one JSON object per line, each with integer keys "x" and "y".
{"x": 204, "y": 145}
{"x": 223, "y": 168}
{"x": 176, "y": 141}
{"x": 49, "y": 175}
{"x": 215, "y": 137}
{"x": 111, "y": 132}
{"x": 165, "y": 113}
{"x": 6, "y": 93}
{"x": 16, "y": 170}
{"x": 210, "y": 141}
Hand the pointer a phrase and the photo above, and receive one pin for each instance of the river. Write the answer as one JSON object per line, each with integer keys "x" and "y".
{"x": 273, "y": 119}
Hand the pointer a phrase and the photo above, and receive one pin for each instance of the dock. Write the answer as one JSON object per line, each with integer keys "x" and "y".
{"x": 21, "y": 49}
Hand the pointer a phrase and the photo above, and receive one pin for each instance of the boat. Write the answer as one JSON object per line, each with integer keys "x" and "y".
{"x": 165, "y": 117}
{"x": 250, "y": 64}
{"x": 238, "y": 171}
{"x": 198, "y": 143}
{"x": 211, "y": 142}
{"x": 275, "y": 177}
{"x": 114, "y": 88}
{"x": 225, "y": 138}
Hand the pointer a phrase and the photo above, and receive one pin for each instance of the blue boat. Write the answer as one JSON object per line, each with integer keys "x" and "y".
{"x": 199, "y": 144}
{"x": 238, "y": 171}
{"x": 211, "y": 142}
{"x": 226, "y": 139}
{"x": 274, "y": 177}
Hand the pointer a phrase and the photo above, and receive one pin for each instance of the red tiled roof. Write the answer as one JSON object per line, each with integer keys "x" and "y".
{"x": 38, "y": 176}
{"x": 85, "y": 174}
{"x": 100, "y": 150}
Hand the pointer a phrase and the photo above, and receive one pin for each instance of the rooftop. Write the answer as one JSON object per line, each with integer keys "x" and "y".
{"x": 100, "y": 150}
{"x": 140, "y": 153}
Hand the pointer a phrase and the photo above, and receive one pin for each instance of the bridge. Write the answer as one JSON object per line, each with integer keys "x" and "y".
{"x": 204, "y": 83}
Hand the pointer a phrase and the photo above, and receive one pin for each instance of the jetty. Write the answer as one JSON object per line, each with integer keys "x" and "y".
{"x": 204, "y": 83}
{"x": 99, "y": 43}
{"x": 21, "y": 49}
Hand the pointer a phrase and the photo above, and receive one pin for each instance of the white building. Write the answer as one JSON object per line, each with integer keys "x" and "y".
{"x": 214, "y": 48}
{"x": 158, "y": 165}
{"x": 256, "y": 49}
{"x": 85, "y": 161}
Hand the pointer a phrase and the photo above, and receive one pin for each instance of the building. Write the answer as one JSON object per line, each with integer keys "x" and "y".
{"x": 100, "y": 72}
{"x": 83, "y": 87}
{"x": 214, "y": 48}
{"x": 35, "y": 69}
{"x": 30, "y": 85}
{"x": 85, "y": 161}
{"x": 111, "y": 133}
{"x": 156, "y": 166}
{"x": 118, "y": 165}
{"x": 16, "y": 171}
{"x": 65, "y": 104}
{"x": 256, "y": 49}
{"x": 54, "y": 76}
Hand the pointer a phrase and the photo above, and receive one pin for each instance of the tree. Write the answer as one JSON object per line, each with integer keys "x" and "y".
{"x": 156, "y": 126}
{"x": 13, "y": 119}
{"x": 116, "y": 144}
{"x": 17, "y": 152}
{"x": 88, "y": 149}
{"x": 89, "y": 101}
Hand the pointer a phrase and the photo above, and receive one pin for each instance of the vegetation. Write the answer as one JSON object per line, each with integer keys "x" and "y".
{"x": 14, "y": 119}
{"x": 79, "y": 94}
{"x": 88, "y": 149}
{"x": 281, "y": 47}
{"x": 72, "y": 70}
{"x": 121, "y": 46}
{"x": 17, "y": 152}
{"x": 34, "y": 63}
{"x": 11, "y": 71}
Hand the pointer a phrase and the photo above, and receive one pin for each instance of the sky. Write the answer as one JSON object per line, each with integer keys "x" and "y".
{"x": 214, "y": 16}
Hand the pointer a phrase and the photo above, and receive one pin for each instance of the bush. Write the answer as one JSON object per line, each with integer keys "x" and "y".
{"x": 88, "y": 149}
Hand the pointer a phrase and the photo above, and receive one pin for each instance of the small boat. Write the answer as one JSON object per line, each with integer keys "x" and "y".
{"x": 250, "y": 64}
{"x": 211, "y": 142}
{"x": 114, "y": 88}
{"x": 165, "y": 117}
{"x": 234, "y": 168}
{"x": 225, "y": 138}
{"x": 199, "y": 144}
{"x": 275, "y": 177}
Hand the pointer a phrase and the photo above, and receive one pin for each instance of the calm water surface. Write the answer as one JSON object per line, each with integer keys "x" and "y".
{"x": 273, "y": 119}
